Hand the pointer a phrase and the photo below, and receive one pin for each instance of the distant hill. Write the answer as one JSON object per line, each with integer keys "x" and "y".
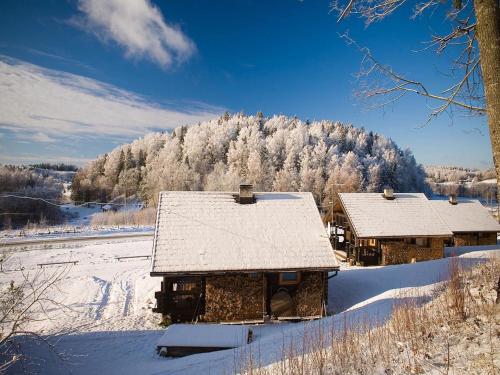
{"x": 466, "y": 182}
{"x": 275, "y": 153}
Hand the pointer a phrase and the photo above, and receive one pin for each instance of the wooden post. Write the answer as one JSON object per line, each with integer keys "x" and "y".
{"x": 264, "y": 295}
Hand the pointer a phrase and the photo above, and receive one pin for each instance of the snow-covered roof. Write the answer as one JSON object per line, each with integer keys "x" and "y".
{"x": 408, "y": 215}
{"x": 204, "y": 335}
{"x": 198, "y": 232}
{"x": 466, "y": 216}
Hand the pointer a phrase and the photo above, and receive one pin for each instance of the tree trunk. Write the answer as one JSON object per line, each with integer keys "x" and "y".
{"x": 488, "y": 38}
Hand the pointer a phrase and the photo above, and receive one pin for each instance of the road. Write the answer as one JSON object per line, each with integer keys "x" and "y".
{"x": 46, "y": 243}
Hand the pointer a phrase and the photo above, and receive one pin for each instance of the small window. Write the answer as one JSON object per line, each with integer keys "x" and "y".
{"x": 421, "y": 242}
{"x": 372, "y": 242}
{"x": 289, "y": 278}
{"x": 184, "y": 286}
{"x": 253, "y": 275}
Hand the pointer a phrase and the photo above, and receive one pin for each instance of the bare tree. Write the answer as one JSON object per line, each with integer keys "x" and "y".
{"x": 21, "y": 305}
{"x": 474, "y": 38}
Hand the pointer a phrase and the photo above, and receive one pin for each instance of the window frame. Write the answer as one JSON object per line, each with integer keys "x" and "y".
{"x": 282, "y": 281}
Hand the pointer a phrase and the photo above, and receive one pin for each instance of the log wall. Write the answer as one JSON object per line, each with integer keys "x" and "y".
{"x": 475, "y": 239}
{"x": 400, "y": 252}
{"x": 233, "y": 298}
{"x": 310, "y": 294}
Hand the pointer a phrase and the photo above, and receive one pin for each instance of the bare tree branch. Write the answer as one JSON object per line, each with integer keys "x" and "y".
{"x": 22, "y": 304}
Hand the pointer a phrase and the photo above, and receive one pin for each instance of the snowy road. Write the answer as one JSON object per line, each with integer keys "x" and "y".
{"x": 72, "y": 241}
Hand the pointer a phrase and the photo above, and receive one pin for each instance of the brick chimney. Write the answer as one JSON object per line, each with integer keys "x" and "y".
{"x": 246, "y": 195}
{"x": 453, "y": 199}
{"x": 389, "y": 194}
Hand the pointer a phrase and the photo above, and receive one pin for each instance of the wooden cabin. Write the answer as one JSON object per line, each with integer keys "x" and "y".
{"x": 469, "y": 220}
{"x": 388, "y": 228}
{"x": 233, "y": 257}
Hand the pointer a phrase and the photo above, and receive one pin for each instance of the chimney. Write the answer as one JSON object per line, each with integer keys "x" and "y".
{"x": 453, "y": 199}
{"x": 389, "y": 194}
{"x": 246, "y": 194}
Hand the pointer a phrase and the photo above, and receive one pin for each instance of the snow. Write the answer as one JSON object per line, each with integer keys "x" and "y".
{"x": 490, "y": 181}
{"x": 209, "y": 231}
{"x": 206, "y": 335}
{"x": 409, "y": 214}
{"x": 461, "y": 250}
{"x": 101, "y": 292}
{"x": 80, "y": 214}
{"x": 466, "y": 216}
{"x": 115, "y": 332}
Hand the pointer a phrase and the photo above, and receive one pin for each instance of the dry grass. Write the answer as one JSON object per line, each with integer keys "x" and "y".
{"x": 457, "y": 332}
{"x": 145, "y": 216}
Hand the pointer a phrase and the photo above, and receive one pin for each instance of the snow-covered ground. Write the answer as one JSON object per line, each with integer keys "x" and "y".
{"x": 80, "y": 214}
{"x": 101, "y": 292}
{"x": 116, "y": 333}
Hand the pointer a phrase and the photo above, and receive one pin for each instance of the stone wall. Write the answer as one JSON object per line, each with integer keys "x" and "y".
{"x": 233, "y": 298}
{"x": 310, "y": 293}
{"x": 401, "y": 252}
{"x": 475, "y": 239}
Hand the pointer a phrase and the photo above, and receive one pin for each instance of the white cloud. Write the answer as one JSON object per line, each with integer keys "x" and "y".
{"x": 138, "y": 27}
{"x": 41, "y": 104}
{"x": 41, "y": 137}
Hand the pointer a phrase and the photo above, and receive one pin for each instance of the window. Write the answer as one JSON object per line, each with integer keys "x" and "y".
{"x": 289, "y": 278}
{"x": 372, "y": 242}
{"x": 253, "y": 275}
{"x": 422, "y": 242}
{"x": 185, "y": 285}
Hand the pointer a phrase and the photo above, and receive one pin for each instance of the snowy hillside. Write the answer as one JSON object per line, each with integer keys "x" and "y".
{"x": 110, "y": 327}
{"x": 275, "y": 153}
{"x": 464, "y": 182}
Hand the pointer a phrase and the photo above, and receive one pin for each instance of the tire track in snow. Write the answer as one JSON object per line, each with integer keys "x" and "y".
{"x": 105, "y": 291}
{"x": 127, "y": 290}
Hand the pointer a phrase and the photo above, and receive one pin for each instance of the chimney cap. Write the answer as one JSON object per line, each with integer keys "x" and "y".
{"x": 246, "y": 195}
{"x": 389, "y": 194}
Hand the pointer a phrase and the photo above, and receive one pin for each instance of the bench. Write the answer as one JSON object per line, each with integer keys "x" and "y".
{"x": 74, "y": 262}
{"x": 133, "y": 256}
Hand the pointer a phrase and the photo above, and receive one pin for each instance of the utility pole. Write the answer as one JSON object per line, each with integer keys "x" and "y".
{"x": 126, "y": 212}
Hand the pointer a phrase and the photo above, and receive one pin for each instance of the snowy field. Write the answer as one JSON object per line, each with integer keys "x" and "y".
{"x": 113, "y": 331}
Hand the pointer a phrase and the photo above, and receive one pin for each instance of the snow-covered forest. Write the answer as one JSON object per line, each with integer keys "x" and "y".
{"x": 439, "y": 174}
{"x": 466, "y": 182}
{"x": 20, "y": 188}
{"x": 278, "y": 153}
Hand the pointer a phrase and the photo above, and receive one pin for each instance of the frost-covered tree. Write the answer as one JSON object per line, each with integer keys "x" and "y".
{"x": 273, "y": 153}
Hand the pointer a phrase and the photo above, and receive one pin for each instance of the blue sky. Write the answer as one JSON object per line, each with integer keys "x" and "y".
{"x": 78, "y": 77}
